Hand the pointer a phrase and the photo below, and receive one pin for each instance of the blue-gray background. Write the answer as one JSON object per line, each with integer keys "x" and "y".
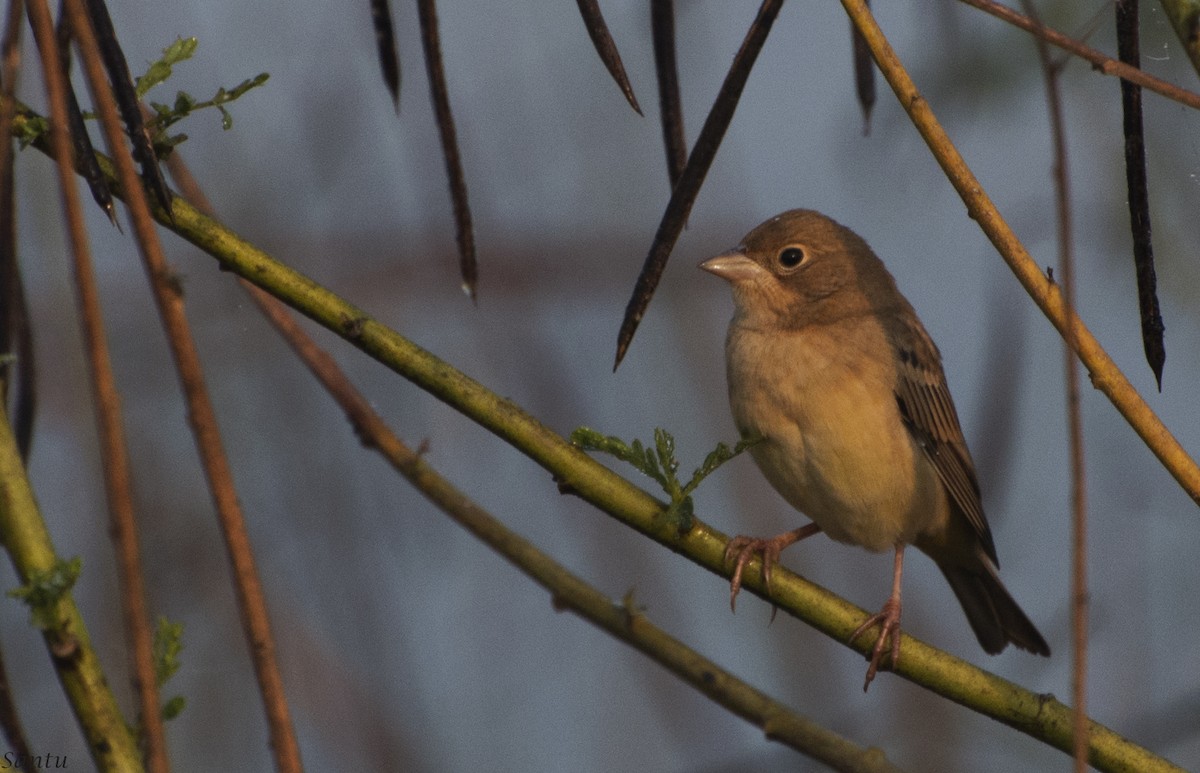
{"x": 406, "y": 644}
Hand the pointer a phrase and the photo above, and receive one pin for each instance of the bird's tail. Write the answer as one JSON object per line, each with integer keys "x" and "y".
{"x": 991, "y": 611}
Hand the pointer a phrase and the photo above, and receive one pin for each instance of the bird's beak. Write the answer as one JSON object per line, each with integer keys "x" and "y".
{"x": 732, "y": 266}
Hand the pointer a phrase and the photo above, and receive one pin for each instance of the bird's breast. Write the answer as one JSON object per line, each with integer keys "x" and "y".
{"x": 833, "y": 442}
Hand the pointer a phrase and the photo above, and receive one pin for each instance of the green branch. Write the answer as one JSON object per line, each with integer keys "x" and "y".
{"x": 46, "y": 588}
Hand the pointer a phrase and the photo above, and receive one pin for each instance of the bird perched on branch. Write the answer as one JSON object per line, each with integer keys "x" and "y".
{"x": 829, "y": 365}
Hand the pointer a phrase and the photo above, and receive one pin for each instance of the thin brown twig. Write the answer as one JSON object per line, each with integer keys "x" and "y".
{"x": 114, "y": 454}
{"x": 201, "y": 414}
{"x": 1101, "y": 62}
{"x": 1079, "y": 584}
{"x": 47, "y": 43}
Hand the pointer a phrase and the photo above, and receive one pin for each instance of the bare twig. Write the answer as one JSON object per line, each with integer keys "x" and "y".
{"x": 1079, "y": 598}
{"x": 201, "y": 414}
{"x": 1099, "y": 61}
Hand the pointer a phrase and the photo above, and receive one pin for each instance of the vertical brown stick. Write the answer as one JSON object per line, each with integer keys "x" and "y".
{"x": 110, "y": 743}
{"x": 111, "y": 430}
{"x": 1079, "y": 581}
{"x": 201, "y": 413}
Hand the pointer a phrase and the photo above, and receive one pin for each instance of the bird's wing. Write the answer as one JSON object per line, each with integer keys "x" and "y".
{"x": 928, "y": 413}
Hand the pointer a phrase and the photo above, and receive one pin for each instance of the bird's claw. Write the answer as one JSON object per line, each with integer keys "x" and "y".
{"x": 889, "y": 621}
{"x": 740, "y": 550}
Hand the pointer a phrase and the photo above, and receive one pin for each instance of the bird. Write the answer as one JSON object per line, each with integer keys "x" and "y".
{"x": 832, "y": 373}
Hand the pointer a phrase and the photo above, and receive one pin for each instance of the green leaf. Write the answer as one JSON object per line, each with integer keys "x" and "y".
{"x": 181, "y": 50}
{"x": 173, "y": 707}
{"x": 246, "y": 85}
{"x": 30, "y": 129}
{"x": 718, "y": 456}
{"x": 184, "y": 103}
{"x": 168, "y": 643}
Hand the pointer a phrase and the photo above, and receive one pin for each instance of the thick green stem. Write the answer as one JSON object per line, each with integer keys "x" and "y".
{"x": 24, "y": 535}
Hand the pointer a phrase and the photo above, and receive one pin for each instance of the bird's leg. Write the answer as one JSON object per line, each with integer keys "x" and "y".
{"x": 889, "y": 620}
{"x": 741, "y": 549}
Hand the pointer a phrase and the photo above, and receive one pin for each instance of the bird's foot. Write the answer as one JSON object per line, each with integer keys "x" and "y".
{"x": 889, "y": 621}
{"x": 741, "y": 549}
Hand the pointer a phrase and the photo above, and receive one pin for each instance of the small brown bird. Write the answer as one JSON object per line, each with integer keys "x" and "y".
{"x": 829, "y": 365}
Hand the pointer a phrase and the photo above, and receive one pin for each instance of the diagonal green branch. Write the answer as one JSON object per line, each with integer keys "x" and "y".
{"x": 1040, "y": 716}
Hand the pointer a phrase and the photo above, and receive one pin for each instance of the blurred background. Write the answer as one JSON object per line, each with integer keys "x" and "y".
{"x": 406, "y": 644}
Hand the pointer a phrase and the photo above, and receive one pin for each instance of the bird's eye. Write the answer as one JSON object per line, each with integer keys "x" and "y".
{"x": 790, "y": 257}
